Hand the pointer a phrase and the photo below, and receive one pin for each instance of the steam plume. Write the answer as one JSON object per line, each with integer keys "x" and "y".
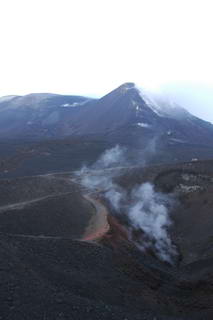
{"x": 112, "y": 158}
{"x": 147, "y": 210}
{"x": 149, "y": 213}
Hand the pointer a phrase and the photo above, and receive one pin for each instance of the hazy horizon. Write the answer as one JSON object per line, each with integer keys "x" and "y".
{"x": 91, "y": 47}
{"x": 197, "y": 99}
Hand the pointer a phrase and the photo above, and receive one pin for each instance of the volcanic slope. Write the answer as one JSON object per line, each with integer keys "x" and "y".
{"x": 126, "y": 112}
{"x": 55, "y": 277}
{"x": 38, "y": 116}
{"x": 143, "y": 114}
{"x": 43, "y": 133}
{"x": 45, "y": 205}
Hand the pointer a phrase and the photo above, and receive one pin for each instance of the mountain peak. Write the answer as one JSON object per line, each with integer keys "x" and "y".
{"x": 127, "y": 86}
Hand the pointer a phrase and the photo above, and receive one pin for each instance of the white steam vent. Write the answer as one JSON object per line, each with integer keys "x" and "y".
{"x": 149, "y": 213}
{"x": 146, "y": 209}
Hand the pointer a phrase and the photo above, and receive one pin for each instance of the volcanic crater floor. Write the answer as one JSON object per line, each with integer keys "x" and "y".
{"x": 48, "y": 272}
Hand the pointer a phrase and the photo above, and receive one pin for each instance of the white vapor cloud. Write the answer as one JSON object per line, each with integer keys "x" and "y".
{"x": 146, "y": 209}
{"x": 150, "y": 214}
{"x": 112, "y": 158}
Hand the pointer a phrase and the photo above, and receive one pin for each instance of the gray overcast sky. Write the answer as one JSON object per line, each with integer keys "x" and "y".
{"x": 89, "y": 47}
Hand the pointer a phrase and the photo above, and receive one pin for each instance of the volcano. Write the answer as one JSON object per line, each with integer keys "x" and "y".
{"x": 154, "y": 129}
{"x": 125, "y": 112}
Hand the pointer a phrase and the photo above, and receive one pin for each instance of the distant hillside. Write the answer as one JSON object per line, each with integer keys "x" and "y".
{"x": 38, "y": 116}
{"x": 47, "y": 132}
{"x": 125, "y": 114}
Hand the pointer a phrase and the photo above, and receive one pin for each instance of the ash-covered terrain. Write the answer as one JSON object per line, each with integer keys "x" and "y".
{"x": 59, "y": 260}
{"x": 107, "y": 213}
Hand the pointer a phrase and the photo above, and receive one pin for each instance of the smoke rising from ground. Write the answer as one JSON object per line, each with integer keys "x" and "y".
{"x": 146, "y": 210}
{"x": 114, "y": 157}
{"x": 149, "y": 213}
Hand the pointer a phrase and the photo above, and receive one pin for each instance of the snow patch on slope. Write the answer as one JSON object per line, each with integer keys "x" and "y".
{"x": 143, "y": 125}
{"x": 177, "y": 140}
{"x": 74, "y": 104}
{"x": 151, "y": 103}
{"x": 161, "y": 105}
